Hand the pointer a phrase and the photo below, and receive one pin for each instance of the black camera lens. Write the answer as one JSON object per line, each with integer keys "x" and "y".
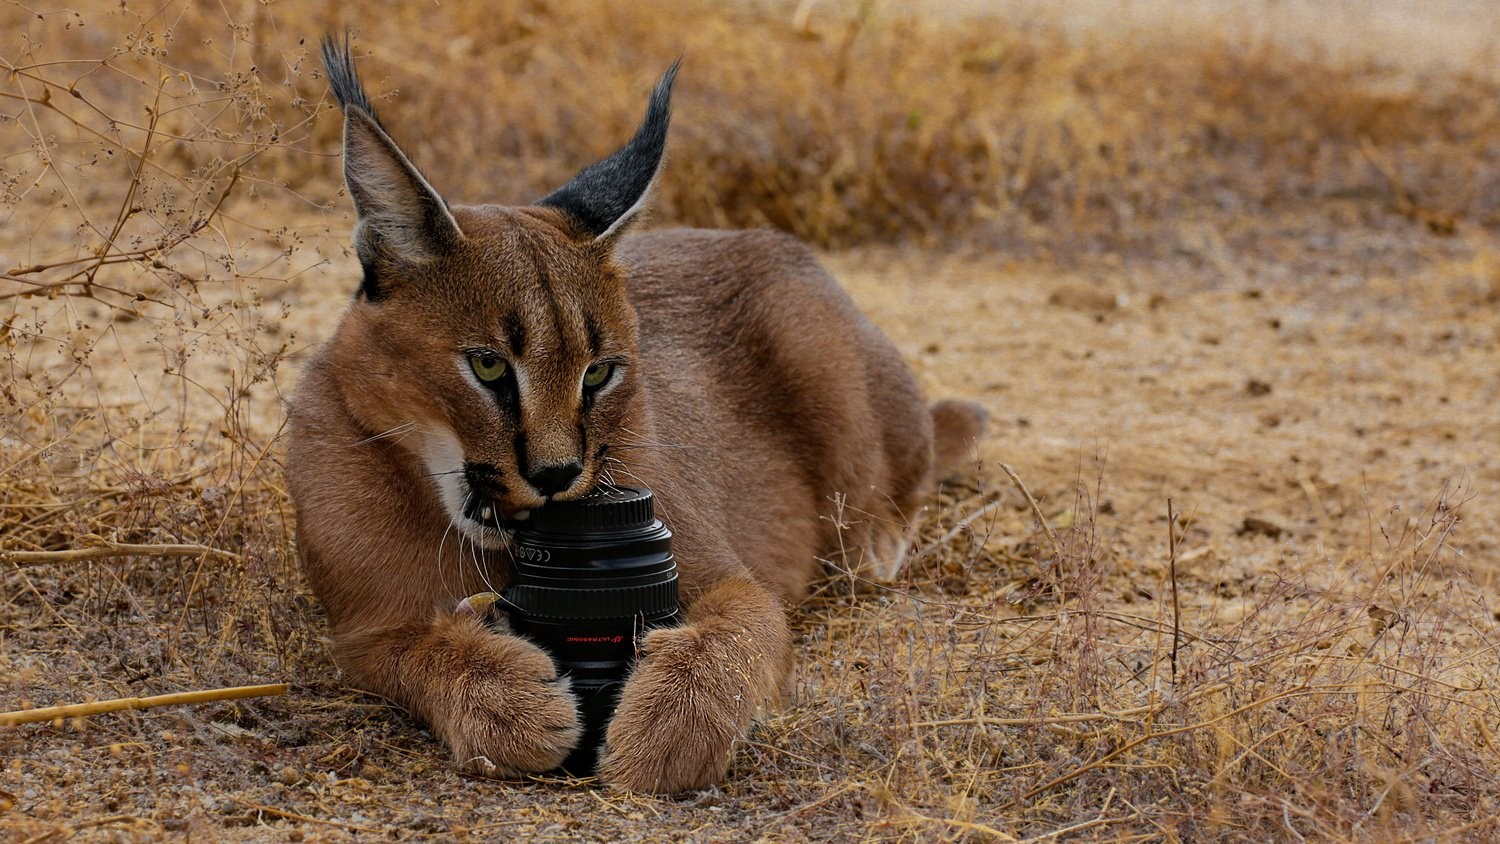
{"x": 590, "y": 577}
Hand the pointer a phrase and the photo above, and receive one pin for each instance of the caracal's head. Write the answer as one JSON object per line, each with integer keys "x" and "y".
{"x": 495, "y": 344}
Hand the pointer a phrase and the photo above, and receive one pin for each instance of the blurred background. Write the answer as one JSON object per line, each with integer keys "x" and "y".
{"x": 1454, "y": 34}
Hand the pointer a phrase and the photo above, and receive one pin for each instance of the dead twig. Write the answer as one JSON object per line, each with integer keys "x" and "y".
{"x": 1099, "y": 820}
{"x": 1035, "y": 508}
{"x": 78, "y": 710}
{"x": 1176, "y": 603}
{"x": 294, "y": 816}
{"x": 957, "y": 529}
{"x": 1134, "y": 713}
{"x": 1153, "y": 735}
{"x": 69, "y": 830}
{"x": 990, "y": 832}
{"x": 113, "y": 549}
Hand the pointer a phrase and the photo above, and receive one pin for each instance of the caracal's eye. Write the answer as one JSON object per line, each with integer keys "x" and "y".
{"x": 595, "y": 376}
{"x": 488, "y": 366}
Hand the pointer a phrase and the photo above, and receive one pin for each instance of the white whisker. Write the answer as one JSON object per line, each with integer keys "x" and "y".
{"x": 400, "y": 431}
{"x": 479, "y": 569}
{"x": 639, "y": 441}
{"x": 607, "y": 480}
{"x": 626, "y": 472}
{"x": 442, "y": 569}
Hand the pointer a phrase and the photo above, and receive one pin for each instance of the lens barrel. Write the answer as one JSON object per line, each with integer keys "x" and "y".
{"x": 590, "y": 577}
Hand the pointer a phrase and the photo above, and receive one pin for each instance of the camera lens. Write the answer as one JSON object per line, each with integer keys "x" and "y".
{"x": 590, "y": 577}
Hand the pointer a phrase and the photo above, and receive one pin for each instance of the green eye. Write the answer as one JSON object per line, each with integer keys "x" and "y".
{"x": 489, "y": 367}
{"x": 595, "y": 376}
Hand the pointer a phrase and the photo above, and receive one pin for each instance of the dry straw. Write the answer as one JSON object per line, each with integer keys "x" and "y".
{"x": 80, "y": 710}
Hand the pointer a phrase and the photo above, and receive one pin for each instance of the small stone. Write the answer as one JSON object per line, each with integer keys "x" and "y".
{"x": 1255, "y": 525}
{"x": 1085, "y": 298}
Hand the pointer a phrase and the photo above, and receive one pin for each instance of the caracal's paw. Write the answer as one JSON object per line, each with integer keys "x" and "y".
{"x": 510, "y": 713}
{"x": 678, "y": 718}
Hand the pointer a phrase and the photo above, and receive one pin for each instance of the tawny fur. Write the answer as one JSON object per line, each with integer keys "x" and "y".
{"x": 754, "y": 400}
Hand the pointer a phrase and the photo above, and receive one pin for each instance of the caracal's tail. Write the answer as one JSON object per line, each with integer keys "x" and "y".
{"x": 956, "y": 429}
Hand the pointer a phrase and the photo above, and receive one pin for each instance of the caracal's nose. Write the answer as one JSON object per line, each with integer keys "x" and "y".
{"x": 550, "y": 480}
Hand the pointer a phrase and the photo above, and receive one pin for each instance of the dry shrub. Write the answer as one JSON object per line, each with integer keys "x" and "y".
{"x": 141, "y": 284}
{"x": 846, "y": 127}
{"x": 1334, "y": 702}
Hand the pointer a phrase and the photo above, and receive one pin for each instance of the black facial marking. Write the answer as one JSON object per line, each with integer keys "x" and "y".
{"x": 520, "y": 449}
{"x": 594, "y": 339}
{"x": 515, "y": 332}
{"x": 508, "y": 394}
{"x": 588, "y": 402}
{"x": 369, "y": 286}
{"x": 484, "y": 479}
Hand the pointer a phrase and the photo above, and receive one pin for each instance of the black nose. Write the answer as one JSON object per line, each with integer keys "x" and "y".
{"x": 550, "y": 480}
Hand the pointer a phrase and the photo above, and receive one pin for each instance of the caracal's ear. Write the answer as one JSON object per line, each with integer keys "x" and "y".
{"x": 401, "y": 218}
{"x": 604, "y": 197}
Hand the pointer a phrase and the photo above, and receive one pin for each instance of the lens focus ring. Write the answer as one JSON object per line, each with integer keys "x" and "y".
{"x": 650, "y": 600}
{"x": 602, "y": 511}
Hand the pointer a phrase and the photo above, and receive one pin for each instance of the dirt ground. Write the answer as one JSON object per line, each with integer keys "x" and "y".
{"x": 1315, "y": 391}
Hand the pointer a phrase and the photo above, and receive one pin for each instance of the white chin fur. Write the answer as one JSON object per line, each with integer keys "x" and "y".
{"x": 485, "y": 536}
{"x": 443, "y": 455}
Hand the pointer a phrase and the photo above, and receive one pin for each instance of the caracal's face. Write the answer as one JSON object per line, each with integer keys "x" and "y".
{"x": 506, "y": 366}
{"x": 495, "y": 344}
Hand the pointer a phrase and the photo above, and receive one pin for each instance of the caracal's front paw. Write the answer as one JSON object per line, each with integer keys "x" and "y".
{"x": 511, "y": 715}
{"x": 678, "y": 718}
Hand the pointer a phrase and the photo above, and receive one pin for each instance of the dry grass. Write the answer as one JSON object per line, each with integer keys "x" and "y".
{"x": 167, "y": 181}
{"x": 1336, "y": 707}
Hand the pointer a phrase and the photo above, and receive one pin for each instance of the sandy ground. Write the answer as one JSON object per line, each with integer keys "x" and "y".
{"x": 1417, "y": 34}
{"x": 1314, "y": 401}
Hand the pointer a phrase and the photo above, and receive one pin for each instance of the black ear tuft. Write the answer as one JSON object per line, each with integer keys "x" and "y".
{"x": 343, "y": 79}
{"x": 402, "y": 219}
{"x": 604, "y": 196}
